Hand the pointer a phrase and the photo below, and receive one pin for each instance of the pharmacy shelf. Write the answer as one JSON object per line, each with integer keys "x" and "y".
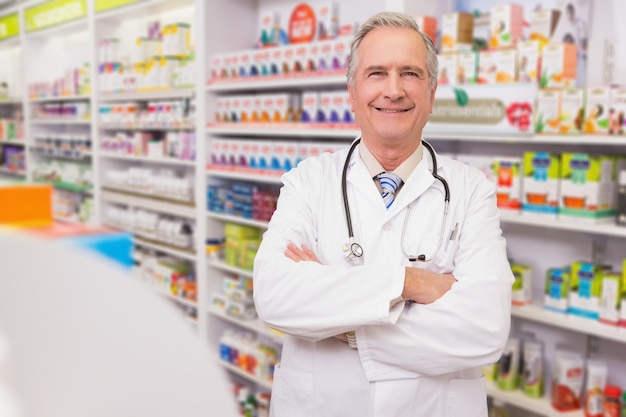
{"x": 10, "y": 101}
{"x": 149, "y": 159}
{"x": 239, "y": 220}
{"x": 46, "y": 154}
{"x": 175, "y": 298}
{"x": 255, "y": 325}
{"x": 263, "y": 382}
{"x": 12, "y": 172}
{"x": 284, "y": 130}
{"x": 150, "y": 203}
{"x": 67, "y": 186}
{"x": 12, "y": 142}
{"x": 64, "y": 29}
{"x": 148, "y": 95}
{"x": 146, "y": 194}
{"x": 10, "y": 42}
{"x": 140, "y": 8}
{"x": 58, "y": 99}
{"x": 541, "y": 406}
{"x": 538, "y": 314}
{"x": 61, "y": 122}
{"x": 229, "y": 268}
{"x": 299, "y": 81}
{"x": 147, "y": 128}
{"x": 270, "y": 177}
{"x": 605, "y": 228}
{"x": 524, "y": 139}
{"x": 178, "y": 253}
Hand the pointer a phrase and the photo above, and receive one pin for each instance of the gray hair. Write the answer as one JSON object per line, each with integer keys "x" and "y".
{"x": 395, "y": 20}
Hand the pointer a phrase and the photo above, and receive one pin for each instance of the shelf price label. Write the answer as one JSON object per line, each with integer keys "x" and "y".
{"x": 103, "y": 5}
{"x": 54, "y": 13}
{"x": 9, "y": 26}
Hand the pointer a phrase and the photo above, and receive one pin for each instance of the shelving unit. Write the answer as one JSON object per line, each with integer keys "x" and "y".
{"x": 41, "y": 54}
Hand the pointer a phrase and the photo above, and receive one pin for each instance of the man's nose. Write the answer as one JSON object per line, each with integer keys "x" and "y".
{"x": 394, "y": 88}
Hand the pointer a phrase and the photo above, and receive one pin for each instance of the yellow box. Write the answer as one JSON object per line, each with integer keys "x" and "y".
{"x": 597, "y": 104}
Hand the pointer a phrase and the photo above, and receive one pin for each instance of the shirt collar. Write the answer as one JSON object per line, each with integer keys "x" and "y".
{"x": 404, "y": 170}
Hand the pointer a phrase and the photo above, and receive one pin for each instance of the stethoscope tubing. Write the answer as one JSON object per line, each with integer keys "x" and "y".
{"x": 355, "y": 251}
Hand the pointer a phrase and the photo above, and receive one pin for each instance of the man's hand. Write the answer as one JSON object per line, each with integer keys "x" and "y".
{"x": 302, "y": 253}
{"x": 425, "y": 287}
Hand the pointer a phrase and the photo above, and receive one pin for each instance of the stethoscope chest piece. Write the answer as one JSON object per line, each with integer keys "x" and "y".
{"x": 353, "y": 252}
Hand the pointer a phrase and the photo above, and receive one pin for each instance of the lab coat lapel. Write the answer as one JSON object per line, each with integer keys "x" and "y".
{"x": 359, "y": 177}
{"x": 420, "y": 180}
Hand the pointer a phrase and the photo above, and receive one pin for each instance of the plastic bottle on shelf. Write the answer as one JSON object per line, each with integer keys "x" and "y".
{"x": 612, "y": 395}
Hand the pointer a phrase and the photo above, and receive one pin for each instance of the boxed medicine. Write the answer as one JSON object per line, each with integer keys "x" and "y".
{"x": 506, "y": 23}
{"x": 457, "y": 29}
{"x": 541, "y": 183}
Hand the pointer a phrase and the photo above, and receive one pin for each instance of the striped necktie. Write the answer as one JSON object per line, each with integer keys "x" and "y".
{"x": 389, "y": 182}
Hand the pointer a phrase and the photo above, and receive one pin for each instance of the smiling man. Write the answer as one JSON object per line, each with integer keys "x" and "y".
{"x": 379, "y": 258}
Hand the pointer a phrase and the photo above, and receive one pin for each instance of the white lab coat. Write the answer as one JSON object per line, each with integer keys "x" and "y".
{"x": 412, "y": 360}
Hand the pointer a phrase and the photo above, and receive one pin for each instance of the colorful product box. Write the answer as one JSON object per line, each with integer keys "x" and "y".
{"x": 610, "y": 301}
{"x": 528, "y": 61}
{"x": 300, "y": 58}
{"x": 588, "y": 186}
{"x": 327, "y": 20}
{"x": 548, "y": 111}
{"x": 457, "y": 30}
{"x": 617, "y": 111}
{"x": 508, "y": 173}
{"x": 572, "y": 110}
{"x": 260, "y": 63}
{"x": 541, "y": 183}
{"x": 310, "y": 106}
{"x": 558, "y": 65}
{"x": 522, "y": 286}
{"x": 598, "y": 103}
{"x": 497, "y": 66}
{"x": 428, "y": 25}
{"x": 467, "y": 69}
{"x": 584, "y": 292}
{"x": 447, "y": 68}
{"x": 556, "y": 291}
{"x": 506, "y": 23}
{"x": 542, "y": 25}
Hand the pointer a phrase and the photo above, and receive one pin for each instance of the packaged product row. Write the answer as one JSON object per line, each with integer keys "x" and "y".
{"x": 567, "y": 185}
{"x": 157, "y": 74}
{"x": 75, "y": 81}
{"x": 593, "y": 110}
{"x": 584, "y": 289}
{"x": 244, "y": 200}
{"x": 162, "y": 182}
{"x": 12, "y": 158}
{"x": 245, "y": 351}
{"x": 71, "y": 173}
{"x": 317, "y": 58}
{"x": 150, "y": 225}
{"x": 237, "y": 246}
{"x": 166, "y": 274}
{"x": 264, "y": 156}
{"x": 173, "y": 39}
{"x": 69, "y": 110}
{"x": 234, "y": 297}
{"x": 575, "y": 383}
{"x": 179, "y": 145}
{"x": 151, "y": 114}
{"x": 62, "y": 144}
{"x": 71, "y": 206}
{"x": 11, "y": 129}
{"x": 330, "y": 108}
{"x": 250, "y": 404}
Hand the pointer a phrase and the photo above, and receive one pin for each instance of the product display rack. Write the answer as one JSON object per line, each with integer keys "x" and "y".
{"x": 214, "y": 32}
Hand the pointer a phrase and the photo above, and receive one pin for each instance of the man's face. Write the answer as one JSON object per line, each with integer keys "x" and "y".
{"x": 391, "y": 99}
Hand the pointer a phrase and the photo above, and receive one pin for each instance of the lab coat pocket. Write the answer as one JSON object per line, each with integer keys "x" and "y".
{"x": 292, "y": 393}
{"x": 467, "y": 398}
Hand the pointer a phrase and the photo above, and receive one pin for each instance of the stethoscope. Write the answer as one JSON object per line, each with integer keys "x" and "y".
{"x": 353, "y": 251}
